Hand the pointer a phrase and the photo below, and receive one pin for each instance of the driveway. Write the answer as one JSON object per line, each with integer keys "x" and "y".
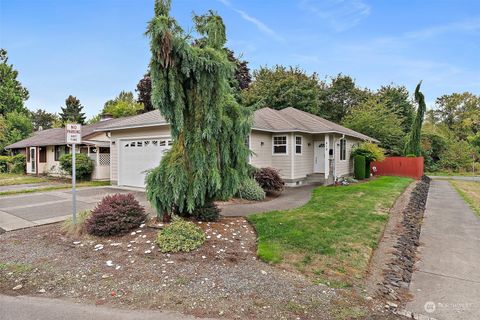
{"x": 28, "y": 210}
{"x": 446, "y": 282}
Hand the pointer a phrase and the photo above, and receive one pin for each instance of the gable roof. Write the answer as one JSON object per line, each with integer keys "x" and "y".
{"x": 265, "y": 119}
{"x": 56, "y": 136}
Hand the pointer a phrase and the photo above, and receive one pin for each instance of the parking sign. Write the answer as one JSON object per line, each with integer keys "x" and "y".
{"x": 73, "y": 133}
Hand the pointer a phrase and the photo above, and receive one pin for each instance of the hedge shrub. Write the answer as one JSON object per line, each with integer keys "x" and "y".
{"x": 13, "y": 164}
{"x": 209, "y": 212}
{"x": 180, "y": 235}
{"x": 359, "y": 167}
{"x": 84, "y": 165}
{"x": 251, "y": 190}
{"x": 115, "y": 214}
{"x": 4, "y": 162}
{"x": 269, "y": 179}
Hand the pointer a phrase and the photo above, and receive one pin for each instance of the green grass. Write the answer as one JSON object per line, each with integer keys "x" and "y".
{"x": 333, "y": 235}
{"x": 57, "y": 187}
{"x": 8, "y": 179}
{"x": 451, "y": 174}
{"x": 470, "y": 192}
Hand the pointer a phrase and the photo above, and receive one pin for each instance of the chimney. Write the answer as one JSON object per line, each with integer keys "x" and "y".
{"x": 105, "y": 117}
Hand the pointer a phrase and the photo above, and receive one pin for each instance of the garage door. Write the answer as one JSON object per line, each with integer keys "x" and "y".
{"x": 137, "y": 156}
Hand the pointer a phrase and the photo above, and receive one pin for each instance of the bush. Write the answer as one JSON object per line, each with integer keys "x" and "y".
{"x": 79, "y": 228}
{"x": 209, "y": 212}
{"x": 115, "y": 214}
{"x": 370, "y": 151}
{"x": 359, "y": 167}
{"x": 19, "y": 164}
{"x": 180, "y": 235}
{"x": 250, "y": 190}
{"x": 84, "y": 165}
{"x": 4, "y": 163}
{"x": 269, "y": 179}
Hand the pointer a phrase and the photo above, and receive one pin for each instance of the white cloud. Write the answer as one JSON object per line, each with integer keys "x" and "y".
{"x": 260, "y": 25}
{"x": 470, "y": 25}
{"x": 339, "y": 14}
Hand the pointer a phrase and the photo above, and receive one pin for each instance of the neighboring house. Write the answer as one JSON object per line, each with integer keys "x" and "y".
{"x": 44, "y": 149}
{"x": 300, "y": 145}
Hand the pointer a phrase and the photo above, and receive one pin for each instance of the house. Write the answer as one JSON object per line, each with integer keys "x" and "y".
{"x": 44, "y": 149}
{"x": 302, "y": 146}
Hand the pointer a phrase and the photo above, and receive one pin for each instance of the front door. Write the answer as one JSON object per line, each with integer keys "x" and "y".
{"x": 319, "y": 157}
{"x": 33, "y": 160}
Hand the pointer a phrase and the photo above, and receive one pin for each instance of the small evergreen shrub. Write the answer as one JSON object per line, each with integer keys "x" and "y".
{"x": 359, "y": 167}
{"x": 269, "y": 179}
{"x": 19, "y": 164}
{"x": 209, "y": 212}
{"x": 115, "y": 214}
{"x": 180, "y": 235}
{"x": 79, "y": 228}
{"x": 251, "y": 190}
{"x": 83, "y": 165}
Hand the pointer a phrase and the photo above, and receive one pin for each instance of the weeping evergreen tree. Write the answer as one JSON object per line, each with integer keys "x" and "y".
{"x": 413, "y": 147}
{"x": 191, "y": 88}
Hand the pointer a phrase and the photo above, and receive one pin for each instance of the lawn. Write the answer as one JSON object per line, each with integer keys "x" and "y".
{"x": 451, "y": 174}
{"x": 81, "y": 184}
{"x": 331, "y": 237}
{"x": 8, "y": 179}
{"x": 470, "y": 191}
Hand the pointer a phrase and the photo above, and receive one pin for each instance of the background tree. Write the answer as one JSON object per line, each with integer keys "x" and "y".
{"x": 12, "y": 93}
{"x": 340, "y": 96}
{"x": 72, "y": 112}
{"x": 144, "y": 89}
{"x": 397, "y": 100}
{"x": 191, "y": 87}
{"x": 94, "y": 119}
{"x": 413, "y": 145}
{"x": 280, "y": 87}
{"x": 375, "y": 119}
{"x": 242, "y": 72}
{"x": 123, "y": 105}
{"x": 43, "y": 119}
{"x": 15, "y": 126}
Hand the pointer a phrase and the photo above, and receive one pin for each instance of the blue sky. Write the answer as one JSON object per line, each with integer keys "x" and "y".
{"x": 93, "y": 49}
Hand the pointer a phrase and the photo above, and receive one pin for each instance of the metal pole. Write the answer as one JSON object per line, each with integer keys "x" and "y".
{"x": 74, "y": 195}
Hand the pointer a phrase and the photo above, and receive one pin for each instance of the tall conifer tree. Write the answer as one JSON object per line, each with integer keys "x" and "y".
{"x": 191, "y": 88}
{"x": 413, "y": 145}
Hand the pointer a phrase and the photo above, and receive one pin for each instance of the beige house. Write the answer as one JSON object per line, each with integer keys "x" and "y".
{"x": 302, "y": 146}
{"x": 44, "y": 149}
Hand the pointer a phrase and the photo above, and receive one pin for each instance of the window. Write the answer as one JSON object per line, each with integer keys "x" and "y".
{"x": 42, "y": 155}
{"x": 59, "y": 151}
{"x": 298, "y": 145}
{"x": 280, "y": 145}
{"x": 343, "y": 149}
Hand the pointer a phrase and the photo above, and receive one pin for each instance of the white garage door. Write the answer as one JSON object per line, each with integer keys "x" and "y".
{"x": 137, "y": 156}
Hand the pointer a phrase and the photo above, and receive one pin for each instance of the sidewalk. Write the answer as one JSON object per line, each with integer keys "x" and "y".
{"x": 446, "y": 283}
{"x": 32, "y": 308}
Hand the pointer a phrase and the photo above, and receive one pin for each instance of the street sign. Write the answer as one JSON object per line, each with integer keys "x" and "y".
{"x": 73, "y": 133}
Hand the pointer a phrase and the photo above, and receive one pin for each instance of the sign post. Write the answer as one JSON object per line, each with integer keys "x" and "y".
{"x": 74, "y": 137}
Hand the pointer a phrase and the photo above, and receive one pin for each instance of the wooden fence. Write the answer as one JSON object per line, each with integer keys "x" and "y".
{"x": 398, "y": 166}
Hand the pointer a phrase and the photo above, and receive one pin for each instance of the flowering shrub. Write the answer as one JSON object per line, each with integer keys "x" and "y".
{"x": 115, "y": 214}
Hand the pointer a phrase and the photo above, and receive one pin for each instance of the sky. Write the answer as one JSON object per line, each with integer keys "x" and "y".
{"x": 93, "y": 49}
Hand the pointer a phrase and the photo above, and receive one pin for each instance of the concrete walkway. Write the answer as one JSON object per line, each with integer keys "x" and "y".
{"x": 28, "y": 210}
{"x": 446, "y": 283}
{"x": 464, "y": 178}
{"x": 31, "y": 308}
{"x": 289, "y": 199}
{"x": 28, "y": 186}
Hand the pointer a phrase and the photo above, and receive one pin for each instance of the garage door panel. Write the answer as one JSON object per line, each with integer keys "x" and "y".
{"x": 137, "y": 156}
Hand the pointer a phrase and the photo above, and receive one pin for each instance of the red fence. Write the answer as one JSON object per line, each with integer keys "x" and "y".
{"x": 399, "y": 166}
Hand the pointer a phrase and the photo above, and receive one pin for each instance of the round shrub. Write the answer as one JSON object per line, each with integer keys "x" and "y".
{"x": 115, "y": 214}
{"x": 250, "y": 190}
{"x": 180, "y": 235}
{"x": 19, "y": 164}
{"x": 83, "y": 165}
{"x": 269, "y": 179}
{"x": 209, "y": 212}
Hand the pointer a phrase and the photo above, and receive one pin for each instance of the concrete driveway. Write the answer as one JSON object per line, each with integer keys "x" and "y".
{"x": 28, "y": 210}
{"x": 446, "y": 281}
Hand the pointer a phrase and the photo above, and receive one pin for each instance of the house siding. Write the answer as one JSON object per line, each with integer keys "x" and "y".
{"x": 344, "y": 167}
{"x": 303, "y": 164}
{"x": 262, "y": 154}
{"x": 130, "y": 133}
{"x": 283, "y": 162}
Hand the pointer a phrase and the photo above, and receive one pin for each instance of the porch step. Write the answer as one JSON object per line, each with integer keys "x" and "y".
{"x": 317, "y": 178}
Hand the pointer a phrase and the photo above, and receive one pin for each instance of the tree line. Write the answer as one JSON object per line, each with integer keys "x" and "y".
{"x": 450, "y": 135}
